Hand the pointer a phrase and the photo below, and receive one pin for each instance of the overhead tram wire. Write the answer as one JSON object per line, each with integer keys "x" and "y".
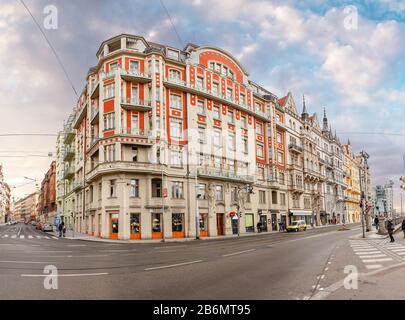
{"x": 50, "y": 46}
{"x": 171, "y": 22}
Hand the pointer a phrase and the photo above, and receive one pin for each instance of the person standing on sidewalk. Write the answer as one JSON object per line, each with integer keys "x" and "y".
{"x": 390, "y": 229}
{"x": 60, "y": 228}
{"x": 63, "y": 229}
{"x": 403, "y": 227}
{"x": 376, "y": 222}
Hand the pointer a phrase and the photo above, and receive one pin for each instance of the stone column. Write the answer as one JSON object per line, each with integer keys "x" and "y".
{"x": 381, "y": 226}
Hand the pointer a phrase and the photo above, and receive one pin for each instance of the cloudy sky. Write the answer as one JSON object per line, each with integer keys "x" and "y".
{"x": 313, "y": 47}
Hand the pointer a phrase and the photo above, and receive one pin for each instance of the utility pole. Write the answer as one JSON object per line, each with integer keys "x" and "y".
{"x": 197, "y": 212}
{"x": 362, "y": 203}
{"x": 163, "y": 196}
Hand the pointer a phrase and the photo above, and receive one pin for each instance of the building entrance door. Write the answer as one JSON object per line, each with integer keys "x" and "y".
{"x": 220, "y": 224}
{"x": 157, "y": 230}
{"x": 234, "y": 225}
{"x": 274, "y": 222}
{"x": 114, "y": 221}
{"x": 263, "y": 223}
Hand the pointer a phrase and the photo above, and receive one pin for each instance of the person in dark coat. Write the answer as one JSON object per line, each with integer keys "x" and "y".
{"x": 376, "y": 220}
{"x": 390, "y": 229}
{"x": 403, "y": 227}
{"x": 259, "y": 227}
{"x": 60, "y": 228}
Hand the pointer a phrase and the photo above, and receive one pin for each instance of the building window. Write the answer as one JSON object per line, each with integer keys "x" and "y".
{"x": 259, "y": 128}
{"x": 174, "y": 74}
{"x": 201, "y": 135}
{"x": 281, "y": 178}
{"x": 258, "y": 107}
{"x": 176, "y": 128}
{"x": 134, "y": 67}
{"x": 274, "y": 197}
{"x": 215, "y": 88}
{"x": 201, "y": 191}
{"x": 109, "y": 91}
{"x": 134, "y": 188}
{"x": 200, "y": 107}
{"x": 260, "y": 150}
{"x": 177, "y": 190}
{"x": 282, "y": 199}
{"x": 176, "y": 158}
{"x": 296, "y": 200}
{"x": 242, "y": 98}
{"x": 262, "y": 196}
{"x": 231, "y": 141}
{"x": 229, "y": 93}
{"x": 307, "y": 203}
{"x": 177, "y": 222}
{"x": 217, "y": 113}
{"x": 172, "y": 54}
{"x": 243, "y": 122}
{"x": 245, "y": 143}
{"x": 113, "y": 188}
{"x": 109, "y": 121}
{"x": 135, "y": 223}
{"x": 217, "y": 162}
{"x": 175, "y": 101}
{"x": 280, "y": 157}
{"x": 200, "y": 82}
{"x": 279, "y": 138}
{"x": 156, "y": 188}
{"x": 109, "y": 153}
{"x": 219, "y": 195}
{"x": 234, "y": 194}
{"x": 156, "y": 222}
{"x": 231, "y": 118}
{"x": 217, "y": 138}
{"x": 100, "y": 191}
{"x": 261, "y": 173}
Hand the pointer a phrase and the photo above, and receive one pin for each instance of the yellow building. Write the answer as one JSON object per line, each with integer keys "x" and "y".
{"x": 352, "y": 181}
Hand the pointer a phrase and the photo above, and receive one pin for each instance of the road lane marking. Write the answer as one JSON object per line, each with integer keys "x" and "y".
{"x": 22, "y": 236}
{"x": 30, "y": 237}
{"x": 374, "y": 266}
{"x": 38, "y": 237}
{"x": 118, "y": 250}
{"x": 377, "y": 260}
{"x": 373, "y": 256}
{"x": 5, "y": 236}
{"x": 398, "y": 250}
{"x": 66, "y": 275}
{"x": 48, "y": 251}
{"x": 76, "y": 245}
{"x": 236, "y": 253}
{"x": 367, "y": 252}
{"x": 173, "y": 265}
{"x": 169, "y": 247}
{"x": 26, "y": 262}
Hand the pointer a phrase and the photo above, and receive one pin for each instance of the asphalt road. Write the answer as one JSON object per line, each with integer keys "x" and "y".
{"x": 270, "y": 266}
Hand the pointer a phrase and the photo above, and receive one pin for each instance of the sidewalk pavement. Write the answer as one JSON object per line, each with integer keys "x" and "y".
{"x": 87, "y": 237}
{"x": 373, "y": 235}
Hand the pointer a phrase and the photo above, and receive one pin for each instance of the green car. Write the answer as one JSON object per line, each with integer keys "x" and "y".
{"x": 297, "y": 226}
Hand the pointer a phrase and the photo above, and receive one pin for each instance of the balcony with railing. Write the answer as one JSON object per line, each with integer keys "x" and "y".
{"x": 69, "y": 173}
{"x": 95, "y": 90}
{"x": 68, "y": 154}
{"x": 93, "y": 141}
{"x": 80, "y": 114}
{"x": 217, "y": 96}
{"x": 135, "y": 75}
{"x": 135, "y": 104}
{"x": 225, "y": 175}
{"x": 295, "y": 148}
{"x": 94, "y": 114}
{"x": 124, "y": 166}
{"x": 69, "y": 135}
{"x": 77, "y": 185}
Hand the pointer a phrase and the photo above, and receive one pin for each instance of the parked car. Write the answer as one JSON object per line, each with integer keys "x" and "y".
{"x": 39, "y": 226}
{"x": 34, "y": 223}
{"x": 47, "y": 227}
{"x": 296, "y": 226}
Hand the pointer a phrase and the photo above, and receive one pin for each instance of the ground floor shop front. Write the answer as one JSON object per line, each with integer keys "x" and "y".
{"x": 153, "y": 224}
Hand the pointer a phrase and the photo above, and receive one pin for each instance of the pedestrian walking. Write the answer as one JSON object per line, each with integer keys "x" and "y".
{"x": 63, "y": 229}
{"x": 403, "y": 227}
{"x": 60, "y": 228}
{"x": 376, "y": 220}
{"x": 259, "y": 227}
{"x": 390, "y": 229}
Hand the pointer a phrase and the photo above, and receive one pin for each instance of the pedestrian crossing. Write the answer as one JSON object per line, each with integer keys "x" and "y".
{"x": 377, "y": 254}
{"x": 28, "y": 237}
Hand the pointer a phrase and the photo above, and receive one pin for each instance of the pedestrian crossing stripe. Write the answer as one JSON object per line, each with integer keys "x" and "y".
{"x": 14, "y": 236}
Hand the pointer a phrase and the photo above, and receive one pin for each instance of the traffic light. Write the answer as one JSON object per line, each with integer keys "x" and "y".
{"x": 402, "y": 178}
